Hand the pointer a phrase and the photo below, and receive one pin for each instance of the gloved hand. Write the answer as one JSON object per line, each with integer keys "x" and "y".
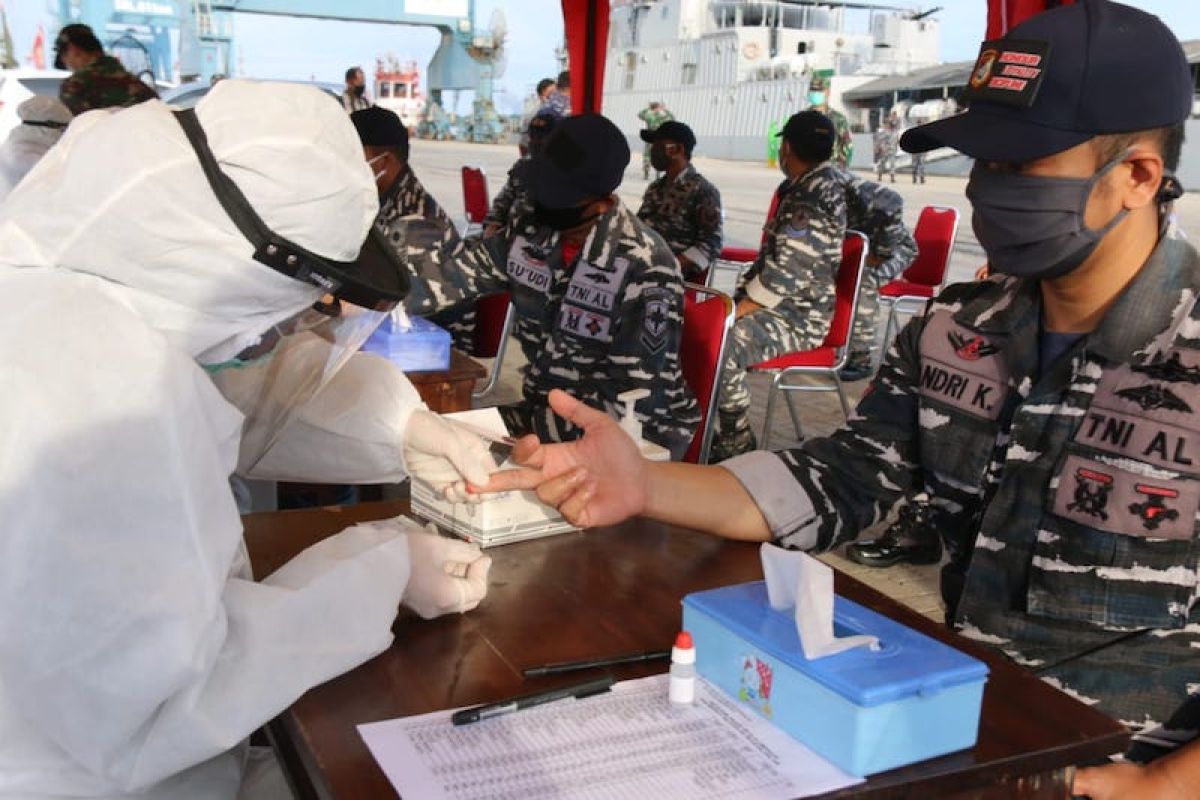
{"x": 446, "y": 576}
{"x": 443, "y": 455}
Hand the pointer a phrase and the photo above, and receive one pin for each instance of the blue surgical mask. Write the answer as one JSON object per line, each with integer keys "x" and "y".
{"x": 816, "y": 98}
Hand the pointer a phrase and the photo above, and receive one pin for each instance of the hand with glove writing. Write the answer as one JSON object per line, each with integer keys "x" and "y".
{"x": 447, "y": 576}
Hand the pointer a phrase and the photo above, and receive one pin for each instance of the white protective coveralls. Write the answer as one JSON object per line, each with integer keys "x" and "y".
{"x": 29, "y": 141}
{"x": 136, "y": 654}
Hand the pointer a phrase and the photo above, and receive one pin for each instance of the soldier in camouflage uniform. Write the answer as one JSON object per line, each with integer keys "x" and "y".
{"x": 887, "y": 143}
{"x": 514, "y": 199}
{"x": 402, "y": 197}
{"x": 878, "y": 212}
{"x": 97, "y": 80}
{"x": 786, "y": 298}
{"x": 1049, "y": 412}
{"x": 598, "y": 295}
{"x": 656, "y": 114}
{"x": 681, "y": 205}
{"x": 818, "y": 97}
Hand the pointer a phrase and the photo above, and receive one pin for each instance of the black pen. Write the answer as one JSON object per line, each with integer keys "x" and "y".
{"x": 612, "y": 661}
{"x": 578, "y": 691}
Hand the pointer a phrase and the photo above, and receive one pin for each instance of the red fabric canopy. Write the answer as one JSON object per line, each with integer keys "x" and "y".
{"x": 586, "y": 25}
{"x": 1005, "y": 14}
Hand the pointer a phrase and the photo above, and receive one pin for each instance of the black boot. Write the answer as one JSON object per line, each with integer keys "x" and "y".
{"x": 910, "y": 538}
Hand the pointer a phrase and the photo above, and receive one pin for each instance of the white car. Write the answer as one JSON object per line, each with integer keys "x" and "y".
{"x": 18, "y": 85}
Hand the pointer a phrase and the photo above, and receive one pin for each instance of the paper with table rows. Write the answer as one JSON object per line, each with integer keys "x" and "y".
{"x": 627, "y": 743}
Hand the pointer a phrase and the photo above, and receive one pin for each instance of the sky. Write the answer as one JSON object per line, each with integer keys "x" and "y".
{"x": 281, "y": 47}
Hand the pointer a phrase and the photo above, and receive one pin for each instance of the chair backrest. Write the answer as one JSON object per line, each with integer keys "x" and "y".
{"x": 936, "y": 230}
{"x": 849, "y": 280}
{"x": 475, "y": 194}
{"x": 491, "y": 321}
{"x": 707, "y": 320}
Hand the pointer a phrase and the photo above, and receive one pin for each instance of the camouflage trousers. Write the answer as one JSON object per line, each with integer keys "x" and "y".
{"x": 886, "y": 163}
{"x": 866, "y": 321}
{"x": 756, "y": 337}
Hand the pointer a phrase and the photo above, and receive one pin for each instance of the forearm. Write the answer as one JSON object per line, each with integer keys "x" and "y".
{"x": 703, "y": 498}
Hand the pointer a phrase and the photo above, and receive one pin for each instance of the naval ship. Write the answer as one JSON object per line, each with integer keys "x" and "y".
{"x": 734, "y": 70}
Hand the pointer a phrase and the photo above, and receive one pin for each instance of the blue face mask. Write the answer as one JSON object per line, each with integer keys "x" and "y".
{"x": 816, "y": 98}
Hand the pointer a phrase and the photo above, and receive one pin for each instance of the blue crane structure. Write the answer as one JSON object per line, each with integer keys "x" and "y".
{"x": 151, "y": 36}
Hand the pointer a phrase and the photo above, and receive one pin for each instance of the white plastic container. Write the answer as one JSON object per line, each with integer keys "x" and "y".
{"x": 633, "y": 426}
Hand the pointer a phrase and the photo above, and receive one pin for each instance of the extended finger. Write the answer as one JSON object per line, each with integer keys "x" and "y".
{"x": 528, "y": 452}
{"x": 507, "y": 480}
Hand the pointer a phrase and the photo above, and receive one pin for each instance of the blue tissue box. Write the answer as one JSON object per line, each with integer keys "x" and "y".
{"x": 423, "y": 347}
{"x": 866, "y": 711}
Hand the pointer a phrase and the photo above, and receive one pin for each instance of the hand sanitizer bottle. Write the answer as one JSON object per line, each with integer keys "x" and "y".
{"x": 631, "y": 425}
{"x": 681, "y": 686}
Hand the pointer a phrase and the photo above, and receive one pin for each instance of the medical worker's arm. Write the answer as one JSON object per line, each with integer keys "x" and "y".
{"x": 132, "y": 637}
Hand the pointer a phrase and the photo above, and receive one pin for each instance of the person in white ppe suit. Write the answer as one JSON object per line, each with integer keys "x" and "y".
{"x": 43, "y": 120}
{"x": 164, "y": 268}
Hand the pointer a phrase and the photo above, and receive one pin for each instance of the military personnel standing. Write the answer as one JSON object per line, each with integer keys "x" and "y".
{"x": 681, "y": 205}
{"x": 403, "y": 198}
{"x": 97, "y": 80}
{"x": 887, "y": 144}
{"x": 653, "y": 115}
{"x": 786, "y": 298}
{"x": 1049, "y": 412}
{"x": 354, "y": 96}
{"x": 818, "y": 98}
{"x": 514, "y": 199}
{"x": 598, "y": 294}
{"x": 878, "y": 212}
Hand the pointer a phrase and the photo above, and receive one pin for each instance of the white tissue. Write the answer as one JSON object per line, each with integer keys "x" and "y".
{"x": 400, "y": 320}
{"x": 797, "y": 579}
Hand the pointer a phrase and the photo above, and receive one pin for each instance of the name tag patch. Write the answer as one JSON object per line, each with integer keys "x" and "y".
{"x": 595, "y": 287}
{"x": 585, "y": 323}
{"x": 1111, "y": 499}
{"x": 527, "y": 268}
{"x": 962, "y": 368}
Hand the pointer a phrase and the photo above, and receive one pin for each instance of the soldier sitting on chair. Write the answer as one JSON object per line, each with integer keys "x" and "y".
{"x": 682, "y": 205}
{"x": 598, "y": 294}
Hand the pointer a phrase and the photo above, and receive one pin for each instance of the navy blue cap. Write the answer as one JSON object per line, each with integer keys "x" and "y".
{"x": 1061, "y": 77}
{"x": 671, "y": 131}
{"x": 584, "y": 157}
{"x": 379, "y": 127}
{"x": 810, "y": 134}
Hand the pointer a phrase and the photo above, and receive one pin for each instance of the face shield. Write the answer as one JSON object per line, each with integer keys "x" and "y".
{"x": 273, "y": 380}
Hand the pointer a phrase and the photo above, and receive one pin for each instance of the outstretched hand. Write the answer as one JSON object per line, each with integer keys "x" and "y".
{"x": 599, "y": 479}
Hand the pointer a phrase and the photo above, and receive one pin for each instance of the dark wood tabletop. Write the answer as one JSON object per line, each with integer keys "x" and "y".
{"x": 617, "y": 590}
{"x": 450, "y": 389}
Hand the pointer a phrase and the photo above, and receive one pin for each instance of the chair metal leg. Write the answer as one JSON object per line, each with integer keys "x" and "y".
{"x": 841, "y": 393}
{"x": 765, "y": 439}
{"x": 888, "y": 327}
{"x": 791, "y": 407}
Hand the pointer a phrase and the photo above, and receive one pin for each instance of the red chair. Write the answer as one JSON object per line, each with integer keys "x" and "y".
{"x": 707, "y": 319}
{"x": 827, "y": 359}
{"x": 936, "y": 230}
{"x": 494, "y": 318}
{"x": 475, "y": 197}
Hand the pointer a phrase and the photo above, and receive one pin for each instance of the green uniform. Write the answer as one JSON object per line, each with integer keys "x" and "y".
{"x": 103, "y": 84}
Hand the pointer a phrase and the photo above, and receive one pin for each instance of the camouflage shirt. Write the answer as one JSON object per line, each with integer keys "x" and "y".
{"x": 103, "y": 84}
{"x": 1067, "y": 492}
{"x": 878, "y": 212}
{"x": 609, "y": 321}
{"x": 886, "y": 142}
{"x": 843, "y": 144}
{"x": 802, "y": 248}
{"x": 404, "y": 202}
{"x": 514, "y": 199}
{"x": 686, "y": 212}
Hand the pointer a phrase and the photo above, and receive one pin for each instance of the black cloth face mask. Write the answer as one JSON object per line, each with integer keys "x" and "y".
{"x": 562, "y": 219}
{"x": 1033, "y": 226}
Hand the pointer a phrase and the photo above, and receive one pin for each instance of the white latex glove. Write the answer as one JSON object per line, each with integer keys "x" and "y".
{"x": 446, "y": 576}
{"x": 443, "y": 455}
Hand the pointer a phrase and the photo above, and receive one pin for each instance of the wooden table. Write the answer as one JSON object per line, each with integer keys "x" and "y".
{"x": 450, "y": 389}
{"x": 618, "y": 590}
